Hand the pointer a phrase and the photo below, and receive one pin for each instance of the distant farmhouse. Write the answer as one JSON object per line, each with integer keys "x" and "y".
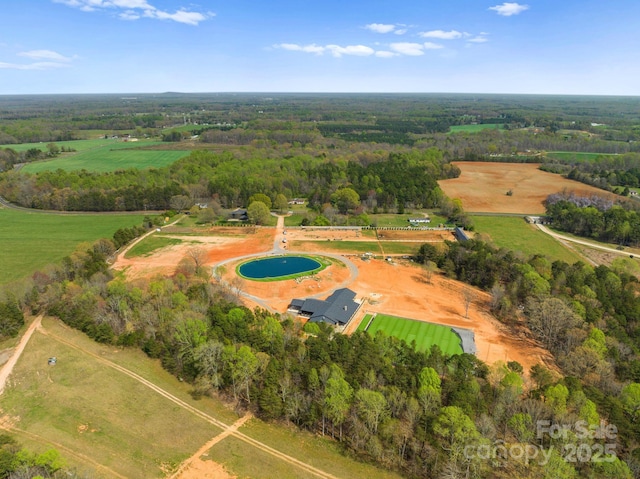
{"x": 296, "y": 201}
{"x": 337, "y": 309}
{"x": 418, "y": 221}
{"x": 239, "y": 214}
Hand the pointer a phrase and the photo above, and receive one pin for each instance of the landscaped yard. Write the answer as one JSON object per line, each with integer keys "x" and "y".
{"x": 424, "y": 334}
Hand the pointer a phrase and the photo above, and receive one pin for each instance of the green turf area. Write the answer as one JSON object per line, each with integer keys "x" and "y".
{"x": 150, "y": 244}
{"x": 90, "y": 408}
{"x": 516, "y": 234}
{"x": 573, "y": 155}
{"x": 357, "y": 247}
{"x": 83, "y": 145}
{"x": 475, "y": 128}
{"x": 424, "y": 334}
{"x": 106, "y": 159}
{"x": 31, "y": 241}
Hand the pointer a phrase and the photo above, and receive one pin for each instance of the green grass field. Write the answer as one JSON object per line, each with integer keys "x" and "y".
{"x": 356, "y": 247}
{"x": 150, "y": 244}
{"x": 424, "y": 334}
{"x": 82, "y": 145}
{"x": 96, "y": 415}
{"x": 573, "y": 155}
{"x": 107, "y": 159}
{"x": 475, "y": 128}
{"x": 516, "y": 234}
{"x": 31, "y": 241}
{"x": 92, "y": 409}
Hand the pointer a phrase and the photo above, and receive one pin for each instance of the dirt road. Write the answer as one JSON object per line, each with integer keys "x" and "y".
{"x": 7, "y": 369}
{"x": 583, "y": 242}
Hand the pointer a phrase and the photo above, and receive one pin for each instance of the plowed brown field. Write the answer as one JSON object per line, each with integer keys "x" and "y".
{"x": 483, "y": 187}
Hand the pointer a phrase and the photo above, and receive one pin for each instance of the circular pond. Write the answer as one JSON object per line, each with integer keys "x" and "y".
{"x": 279, "y": 267}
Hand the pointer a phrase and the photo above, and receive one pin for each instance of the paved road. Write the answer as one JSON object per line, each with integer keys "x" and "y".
{"x": 583, "y": 242}
{"x": 7, "y": 368}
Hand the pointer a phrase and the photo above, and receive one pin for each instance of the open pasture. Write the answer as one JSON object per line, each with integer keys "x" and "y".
{"x": 483, "y": 187}
{"x": 424, "y": 334}
{"x": 574, "y": 155}
{"x": 106, "y": 158}
{"x": 475, "y": 128}
{"x": 514, "y": 233}
{"x": 81, "y": 145}
{"x": 31, "y": 241}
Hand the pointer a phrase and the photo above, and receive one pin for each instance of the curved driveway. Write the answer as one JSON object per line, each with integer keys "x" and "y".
{"x": 279, "y": 250}
{"x": 583, "y": 243}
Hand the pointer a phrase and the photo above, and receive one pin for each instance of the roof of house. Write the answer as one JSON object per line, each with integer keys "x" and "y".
{"x": 338, "y": 308}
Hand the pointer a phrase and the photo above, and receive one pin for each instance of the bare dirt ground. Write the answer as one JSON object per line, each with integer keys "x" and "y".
{"x": 482, "y": 187}
{"x": 398, "y": 288}
{"x": 218, "y": 245}
{"x": 385, "y": 235}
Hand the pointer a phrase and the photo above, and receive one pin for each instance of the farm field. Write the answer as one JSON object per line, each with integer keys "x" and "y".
{"x": 31, "y": 241}
{"x": 106, "y": 159}
{"x": 515, "y": 233}
{"x": 482, "y": 187}
{"x": 424, "y": 334}
{"x": 82, "y": 145}
{"x": 574, "y": 155}
{"x": 475, "y": 128}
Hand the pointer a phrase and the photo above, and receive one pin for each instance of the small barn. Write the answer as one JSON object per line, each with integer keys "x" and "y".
{"x": 239, "y": 214}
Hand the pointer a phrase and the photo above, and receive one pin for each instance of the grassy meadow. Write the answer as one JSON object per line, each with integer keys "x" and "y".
{"x": 106, "y": 159}
{"x": 150, "y": 244}
{"x": 516, "y": 234}
{"x": 31, "y": 241}
{"x": 573, "y": 155}
{"x": 424, "y": 334}
{"x": 475, "y": 128}
{"x": 102, "y": 419}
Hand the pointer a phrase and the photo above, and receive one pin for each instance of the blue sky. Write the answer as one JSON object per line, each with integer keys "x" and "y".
{"x": 475, "y": 46}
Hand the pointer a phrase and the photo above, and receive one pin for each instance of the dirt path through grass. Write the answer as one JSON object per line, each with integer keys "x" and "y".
{"x": 197, "y": 412}
{"x": 184, "y": 467}
{"x": 7, "y": 369}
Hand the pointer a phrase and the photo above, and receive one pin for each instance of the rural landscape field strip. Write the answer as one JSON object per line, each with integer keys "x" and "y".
{"x": 263, "y": 447}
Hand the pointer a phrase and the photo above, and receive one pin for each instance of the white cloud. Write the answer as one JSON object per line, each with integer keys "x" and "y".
{"x": 31, "y": 66}
{"x": 432, "y": 46}
{"x": 44, "y": 60}
{"x": 507, "y": 9}
{"x": 136, "y": 9}
{"x": 336, "y": 50}
{"x": 442, "y": 35}
{"x": 313, "y": 48}
{"x": 45, "y": 55}
{"x": 380, "y": 27}
{"x": 479, "y": 39}
{"x": 357, "y": 50}
{"x": 385, "y": 54}
{"x": 401, "y": 31}
{"x": 407, "y": 48}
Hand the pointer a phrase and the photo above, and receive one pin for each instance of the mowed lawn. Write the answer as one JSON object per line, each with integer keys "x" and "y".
{"x": 106, "y": 159}
{"x": 424, "y": 334}
{"x": 82, "y": 145}
{"x": 475, "y": 128}
{"x": 516, "y": 234}
{"x": 31, "y": 241}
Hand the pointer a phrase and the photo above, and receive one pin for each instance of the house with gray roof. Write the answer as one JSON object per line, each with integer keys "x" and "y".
{"x": 337, "y": 309}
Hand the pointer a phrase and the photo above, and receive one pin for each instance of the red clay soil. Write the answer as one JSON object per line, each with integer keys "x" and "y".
{"x": 483, "y": 187}
{"x": 398, "y": 289}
